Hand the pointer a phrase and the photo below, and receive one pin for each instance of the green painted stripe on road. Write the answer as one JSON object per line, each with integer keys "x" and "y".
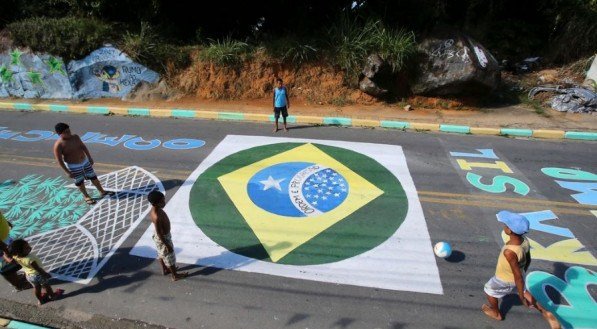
{"x": 23, "y": 325}
{"x": 138, "y": 111}
{"x": 337, "y": 121}
{"x": 22, "y": 106}
{"x": 58, "y": 108}
{"x": 581, "y": 135}
{"x": 516, "y": 132}
{"x": 289, "y": 119}
{"x": 231, "y": 116}
{"x": 98, "y": 110}
{"x": 455, "y": 129}
{"x": 394, "y": 124}
{"x": 181, "y": 113}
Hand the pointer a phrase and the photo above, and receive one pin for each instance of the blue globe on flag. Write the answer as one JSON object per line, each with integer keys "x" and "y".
{"x": 297, "y": 189}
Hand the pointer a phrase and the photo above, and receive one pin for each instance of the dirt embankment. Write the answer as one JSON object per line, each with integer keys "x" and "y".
{"x": 253, "y": 79}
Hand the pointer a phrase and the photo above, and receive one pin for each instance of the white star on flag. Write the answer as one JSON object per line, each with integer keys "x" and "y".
{"x": 271, "y": 182}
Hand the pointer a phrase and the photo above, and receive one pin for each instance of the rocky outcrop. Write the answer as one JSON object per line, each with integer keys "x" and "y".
{"x": 455, "y": 66}
{"x": 376, "y": 77}
{"x": 29, "y": 75}
{"x": 107, "y": 72}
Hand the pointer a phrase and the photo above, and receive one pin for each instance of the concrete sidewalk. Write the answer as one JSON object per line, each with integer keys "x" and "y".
{"x": 514, "y": 121}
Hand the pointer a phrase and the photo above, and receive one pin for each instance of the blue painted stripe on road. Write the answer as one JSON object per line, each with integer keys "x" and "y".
{"x": 337, "y": 121}
{"x": 394, "y": 124}
{"x": 98, "y": 110}
{"x": 138, "y": 111}
{"x": 581, "y": 135}
{"x": 230, "y": 116}
{"x": 23, "y": 325}
{"x": 289, "y": 119}
{"x": 516, "y": 132}
{"x": 58, "y": 108}
{"x": 22, "y": 106}
{"x": 455, "y": 129}
{"x": 180, "y": 113}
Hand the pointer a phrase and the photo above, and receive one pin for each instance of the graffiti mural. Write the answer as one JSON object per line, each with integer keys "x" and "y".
{"x": 575, "y": 307}
{"x": 107, "y": 72}
{"x": 131, "y": 142}
{"x": 308, "y": 209}
{"x": 74, "y": 240}
{"x": 32, "y": 75}
{"x": 37, "y": 204}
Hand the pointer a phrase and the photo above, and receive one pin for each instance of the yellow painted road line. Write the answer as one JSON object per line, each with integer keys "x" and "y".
{"x": 504, "y": 200}
{"x": 474, "y": 200}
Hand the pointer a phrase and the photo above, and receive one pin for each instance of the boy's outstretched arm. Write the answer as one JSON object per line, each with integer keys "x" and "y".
{"x": 40, "y": 270}
{"x": 518, "y": 279}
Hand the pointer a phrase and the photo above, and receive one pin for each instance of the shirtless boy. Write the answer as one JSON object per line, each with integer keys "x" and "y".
{"x": 74, "y": 158}
{"x": 162, "y": 236}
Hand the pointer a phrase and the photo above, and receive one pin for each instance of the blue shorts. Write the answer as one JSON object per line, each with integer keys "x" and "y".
{"x": 81, "y": 171}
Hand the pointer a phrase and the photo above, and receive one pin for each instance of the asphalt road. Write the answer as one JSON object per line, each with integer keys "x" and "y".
{"x": 456, "y": 211}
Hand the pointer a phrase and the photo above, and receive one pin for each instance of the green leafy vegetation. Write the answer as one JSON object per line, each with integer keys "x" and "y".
{"x": 227, "y": 51}
{"x": 69, "y": 37}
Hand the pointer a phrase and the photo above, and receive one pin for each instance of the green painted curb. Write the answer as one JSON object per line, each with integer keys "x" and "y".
{"x": 337, "y": 121}
{"x": 138, "y": 111}
{"x": 289, "y": 119}
{"x": 22, "y": 106}
{"x": 231, "y": 116}
{"x": 455, "y": 129}
{"x": 580, "y": 135}
{"x": 394, "y": 124}
{"x": 181, "y": 113}
{"x": 98, "y": 110}
{"x": 23, "y": 325}
{"x": 58, "y": 108}
{"x": 516, "y": 132}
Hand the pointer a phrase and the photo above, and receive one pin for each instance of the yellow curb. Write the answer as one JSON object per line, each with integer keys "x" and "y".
{"x": 554, "y": 134}
{"x": 256, "y": 117}
{"x": 309, "y": 119}
{"x": 424, "y": 126}
{"x": 160, "y": 113}
{"x": 485, "y": 131}
{"x": 41, "y": 107}
{"x": 4, "y": 322}
{"x": 365, "y": 123}
{"x": 78, "y": 108}
{"x": 206, "y": 114}
{"x": 6, "y": 105}
{"x": 119, "y": 110}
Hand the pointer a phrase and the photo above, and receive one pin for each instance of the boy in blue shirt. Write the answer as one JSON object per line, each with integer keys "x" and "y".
{"x": 281, "y": 103}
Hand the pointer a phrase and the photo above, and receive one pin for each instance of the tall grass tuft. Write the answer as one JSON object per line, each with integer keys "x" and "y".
{"x": 351, "y": 41}
{"x": 227, "y": 51}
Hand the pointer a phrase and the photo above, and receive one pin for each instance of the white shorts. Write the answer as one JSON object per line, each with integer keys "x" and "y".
{"x": 498, "y": 288}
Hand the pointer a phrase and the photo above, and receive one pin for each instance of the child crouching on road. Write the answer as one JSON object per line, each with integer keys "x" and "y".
{"x": 34, "y": 272}
{"x": 513, "y": 262}
{"x": 162, "y": 236}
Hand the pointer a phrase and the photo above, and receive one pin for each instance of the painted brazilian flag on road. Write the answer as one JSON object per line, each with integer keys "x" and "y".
{"x": 330, "y": 211}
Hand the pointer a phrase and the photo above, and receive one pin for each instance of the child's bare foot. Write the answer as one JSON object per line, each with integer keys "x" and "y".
{"x": 179, "y": 276}
{"x": 286, "y": 129}
{"x": 491, "y": 312}
{"x": 166, "y": 271}
{"x": 57, "y": 294}
{"x": 276, "y": 130}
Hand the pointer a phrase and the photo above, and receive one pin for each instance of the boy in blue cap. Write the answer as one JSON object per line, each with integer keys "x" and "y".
{"x": 513, "y": 262}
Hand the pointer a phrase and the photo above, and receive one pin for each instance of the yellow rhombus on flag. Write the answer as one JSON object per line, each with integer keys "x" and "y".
{"x": 278, "y": 234}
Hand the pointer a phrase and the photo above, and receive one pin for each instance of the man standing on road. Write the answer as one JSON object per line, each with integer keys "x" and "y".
{"x": 74, "y": 158}
{"x": 281, "y": 103}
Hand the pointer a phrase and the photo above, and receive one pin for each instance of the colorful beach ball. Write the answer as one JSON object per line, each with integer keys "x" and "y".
{"x": 442, "y": 249}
